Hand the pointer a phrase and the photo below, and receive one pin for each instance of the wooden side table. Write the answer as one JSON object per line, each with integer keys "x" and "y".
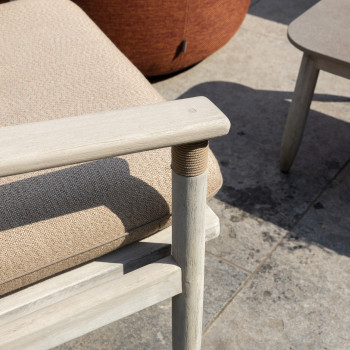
{"x": 323, "y": 34}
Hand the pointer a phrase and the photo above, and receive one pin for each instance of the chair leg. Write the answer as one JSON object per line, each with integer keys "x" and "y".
{"x": 298, "y": 112}
{"x": 188, "y": 250}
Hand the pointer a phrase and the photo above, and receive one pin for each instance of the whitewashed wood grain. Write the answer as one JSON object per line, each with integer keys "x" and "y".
{"x": 94, "y": 308}
{"x": 333, "y": 67}
{"x": 298, "y": 111}
{"x": 88, "y": 276}
{"x": 41, "y": 145}
{"x": 188, "y": 250}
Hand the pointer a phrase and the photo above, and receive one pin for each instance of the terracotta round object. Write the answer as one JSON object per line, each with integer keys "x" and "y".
{"x": 161, "y": 37}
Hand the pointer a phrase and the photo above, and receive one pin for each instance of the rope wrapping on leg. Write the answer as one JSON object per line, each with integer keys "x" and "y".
{"x": 190, "y": 159}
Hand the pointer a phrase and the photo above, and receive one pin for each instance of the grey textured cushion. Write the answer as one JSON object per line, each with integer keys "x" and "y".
{"x": 54, "y": 63}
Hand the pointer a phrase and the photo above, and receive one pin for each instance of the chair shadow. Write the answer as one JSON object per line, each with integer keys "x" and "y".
{"x": 249, "y": 157}
{"x": 281, "y": 11}
{"x": 78, "y": 188}
{"x": 149, "y": 252}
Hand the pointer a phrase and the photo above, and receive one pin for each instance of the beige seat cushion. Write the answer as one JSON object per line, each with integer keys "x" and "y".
{"x": 54, "y": 63}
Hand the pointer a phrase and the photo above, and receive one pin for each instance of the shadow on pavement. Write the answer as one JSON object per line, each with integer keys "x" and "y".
{"x": 249, "y": 157}
{"x": 282, "y": 11}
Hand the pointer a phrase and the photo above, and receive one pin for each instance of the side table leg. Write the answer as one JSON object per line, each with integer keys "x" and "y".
{"x": 298, "y": 112}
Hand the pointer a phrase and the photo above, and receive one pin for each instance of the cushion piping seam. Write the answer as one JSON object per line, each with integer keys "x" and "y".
{"x": 100, "y": 245}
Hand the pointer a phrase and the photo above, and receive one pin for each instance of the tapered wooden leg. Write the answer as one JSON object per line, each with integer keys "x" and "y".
{"x": 298, "y": 112}
{"x": 188, "y": 249}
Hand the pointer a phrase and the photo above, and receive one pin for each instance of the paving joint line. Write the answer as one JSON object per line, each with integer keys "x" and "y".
{"x": 247, "y": 280}
{"x": 228, "y": 262}
{"x": 268, "y": 256}
{"x": 318, "y": 196}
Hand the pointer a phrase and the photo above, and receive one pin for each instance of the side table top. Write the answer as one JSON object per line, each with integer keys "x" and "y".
{"x": 324, "y": 31}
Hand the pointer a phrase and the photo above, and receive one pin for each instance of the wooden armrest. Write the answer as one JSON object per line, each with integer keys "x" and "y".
{"x": 47, "y": 144}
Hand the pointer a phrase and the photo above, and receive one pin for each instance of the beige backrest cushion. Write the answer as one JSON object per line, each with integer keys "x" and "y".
{"x": 54, "y": 63}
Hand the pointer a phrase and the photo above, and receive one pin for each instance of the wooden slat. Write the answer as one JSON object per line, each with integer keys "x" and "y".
{"x": 332, "y": 67}
{"x": 107, "y": 268}
{"x": 41, "y": 145}
{"x": 93, "y": 308}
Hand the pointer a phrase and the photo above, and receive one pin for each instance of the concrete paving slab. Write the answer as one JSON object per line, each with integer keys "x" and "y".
{"x": 245, "y": 240}
{"x": 327, "y": 223}
{"x": 151, "y": 328}
{"x": 300, "y": 298}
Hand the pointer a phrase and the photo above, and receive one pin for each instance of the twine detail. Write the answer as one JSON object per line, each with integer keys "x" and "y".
{"x": 190, "y": 159}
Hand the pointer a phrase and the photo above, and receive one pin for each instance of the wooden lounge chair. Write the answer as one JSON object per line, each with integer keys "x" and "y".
{"x": 85, "y": 172}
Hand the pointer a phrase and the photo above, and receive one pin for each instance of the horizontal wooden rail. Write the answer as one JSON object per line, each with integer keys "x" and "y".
{"x": 93, "y": 308}
{"x": 47, "y": 144}
{"x": 105, "y": 269}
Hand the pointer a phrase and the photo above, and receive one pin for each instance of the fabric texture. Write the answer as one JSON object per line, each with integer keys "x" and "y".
{"x": 161, "y": 37}
{"x": 55, "y": 63}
